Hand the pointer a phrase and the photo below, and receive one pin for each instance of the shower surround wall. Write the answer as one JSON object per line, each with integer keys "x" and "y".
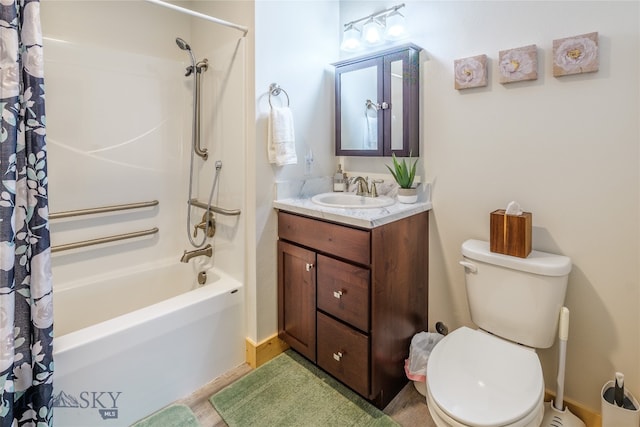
{"x": 119, "y": 131}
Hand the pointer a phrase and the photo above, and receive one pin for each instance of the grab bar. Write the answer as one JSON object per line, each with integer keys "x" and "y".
{"x": 103, "y": 209}
{"x": 101, "y": 240}
{"x": 221, "y": 211}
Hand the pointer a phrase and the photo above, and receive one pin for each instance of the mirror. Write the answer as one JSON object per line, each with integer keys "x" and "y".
{"x": 359, "y": 129}
{"x": 377, "y": 104}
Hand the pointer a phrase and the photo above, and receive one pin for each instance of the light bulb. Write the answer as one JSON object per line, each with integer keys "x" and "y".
{"x": 372, "y": 32}
{"x": 350, "y": 39}
{"x": 395, "y": 29}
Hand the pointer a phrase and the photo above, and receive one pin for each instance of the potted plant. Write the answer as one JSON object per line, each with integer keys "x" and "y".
{"x": 404, "y": 176}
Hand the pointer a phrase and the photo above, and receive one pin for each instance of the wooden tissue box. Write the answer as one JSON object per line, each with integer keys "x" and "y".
{"x": 510, "y": 234}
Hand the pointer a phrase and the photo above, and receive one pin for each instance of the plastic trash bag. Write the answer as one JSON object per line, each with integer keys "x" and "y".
{"x": 422, "y": 344}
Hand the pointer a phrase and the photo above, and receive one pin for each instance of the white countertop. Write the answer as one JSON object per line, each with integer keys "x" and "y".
{"x": 366, "y": 218}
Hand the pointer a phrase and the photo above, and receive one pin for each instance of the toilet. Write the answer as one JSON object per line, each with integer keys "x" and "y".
{"x": 491, "y": 376}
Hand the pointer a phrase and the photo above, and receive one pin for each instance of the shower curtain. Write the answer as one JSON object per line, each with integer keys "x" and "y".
{"x": 26, "y": 316}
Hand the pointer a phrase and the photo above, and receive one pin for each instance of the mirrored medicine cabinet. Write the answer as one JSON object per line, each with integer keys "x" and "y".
{"x": 377, "y": 103}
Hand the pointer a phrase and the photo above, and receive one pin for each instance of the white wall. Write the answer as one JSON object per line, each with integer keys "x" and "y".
{"x": 565, "y": 148}
{"x": 295, "y": 43}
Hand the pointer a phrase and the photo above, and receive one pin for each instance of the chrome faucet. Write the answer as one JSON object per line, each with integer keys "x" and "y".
{"x": 206, "y": 251}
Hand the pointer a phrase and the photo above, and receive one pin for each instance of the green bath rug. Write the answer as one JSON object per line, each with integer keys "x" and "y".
{"x": 291, "y": 391}
{"x": 171, "y": 416}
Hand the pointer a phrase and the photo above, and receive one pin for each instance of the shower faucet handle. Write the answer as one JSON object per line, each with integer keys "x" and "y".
{"x": 202, "y": 225}
{"x": 209, "y": 218}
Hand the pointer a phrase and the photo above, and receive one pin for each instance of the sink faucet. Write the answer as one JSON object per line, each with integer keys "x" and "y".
{"x": 206, "y": 251}
{"x": 363, "y": 187}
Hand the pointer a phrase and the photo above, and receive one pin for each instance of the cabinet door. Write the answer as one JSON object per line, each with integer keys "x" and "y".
{"x": 400, "y": 119}
{"x": 359, "y": 90}
{"x": 297, "y": 298}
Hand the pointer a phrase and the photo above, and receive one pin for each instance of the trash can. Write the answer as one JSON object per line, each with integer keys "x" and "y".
{"x": 415, "y": 367}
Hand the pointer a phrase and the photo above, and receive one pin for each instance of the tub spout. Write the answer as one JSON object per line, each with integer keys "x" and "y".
{"x": 206, "y": 251}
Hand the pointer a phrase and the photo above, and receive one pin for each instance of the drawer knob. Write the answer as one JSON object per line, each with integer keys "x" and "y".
{"x": 309, "y": 266}
{"x": 337, "y": 355}
{"x": 337, "y": 294}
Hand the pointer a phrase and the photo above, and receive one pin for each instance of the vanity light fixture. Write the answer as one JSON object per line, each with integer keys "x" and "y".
{"x": 388, "y": 24}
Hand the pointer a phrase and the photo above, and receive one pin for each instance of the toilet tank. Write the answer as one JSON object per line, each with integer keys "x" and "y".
{"x": 515, "y": 298}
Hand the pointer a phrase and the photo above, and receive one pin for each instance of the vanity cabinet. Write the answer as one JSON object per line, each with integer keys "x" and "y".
{"x": 351, "y": 299}
{"x": 377, "y": 103}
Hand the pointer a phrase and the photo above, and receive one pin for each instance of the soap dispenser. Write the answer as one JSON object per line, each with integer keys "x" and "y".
{"x": 338, "y": 179}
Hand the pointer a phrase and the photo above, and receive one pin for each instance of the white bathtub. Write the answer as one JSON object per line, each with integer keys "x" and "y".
{"x": 126, "y": 346}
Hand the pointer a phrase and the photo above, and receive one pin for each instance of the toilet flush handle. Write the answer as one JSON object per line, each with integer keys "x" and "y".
{"x": 470, "y": 266}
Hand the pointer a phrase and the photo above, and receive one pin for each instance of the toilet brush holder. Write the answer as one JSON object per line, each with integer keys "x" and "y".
{"x": 619, "y": 416}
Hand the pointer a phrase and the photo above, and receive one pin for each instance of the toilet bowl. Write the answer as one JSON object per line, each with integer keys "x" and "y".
{"x": 477, "y": 379}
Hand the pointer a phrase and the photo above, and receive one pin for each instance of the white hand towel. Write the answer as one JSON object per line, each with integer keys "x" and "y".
{"x": 281, "y": 144}
{"x": 371, "y": 135}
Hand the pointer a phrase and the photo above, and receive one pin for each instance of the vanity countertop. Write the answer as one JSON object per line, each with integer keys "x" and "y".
{"x": 365, "y": 218}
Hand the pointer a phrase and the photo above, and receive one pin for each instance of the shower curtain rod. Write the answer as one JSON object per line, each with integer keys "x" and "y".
{"x": 200, "y": 15}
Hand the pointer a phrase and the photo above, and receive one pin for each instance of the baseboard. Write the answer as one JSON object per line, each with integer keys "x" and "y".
{"x": 261, "y": 353}
{"x": 590, "y": 418}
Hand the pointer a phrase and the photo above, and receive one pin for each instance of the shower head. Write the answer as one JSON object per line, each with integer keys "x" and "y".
{"x": 182, "y": 44}
{"x": 185, "y": 46}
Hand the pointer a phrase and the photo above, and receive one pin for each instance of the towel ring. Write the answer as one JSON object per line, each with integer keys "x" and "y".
{"x": 275, "y": 90}
{"x": 370, "y": 105}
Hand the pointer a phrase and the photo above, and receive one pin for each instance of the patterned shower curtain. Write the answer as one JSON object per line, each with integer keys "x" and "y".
{"x": 26, "y": 315}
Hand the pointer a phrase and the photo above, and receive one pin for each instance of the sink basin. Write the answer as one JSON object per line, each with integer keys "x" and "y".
{"x": 351, "y": 201}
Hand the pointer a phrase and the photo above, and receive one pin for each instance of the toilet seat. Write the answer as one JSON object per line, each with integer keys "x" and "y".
{"x": 477, "y": 379}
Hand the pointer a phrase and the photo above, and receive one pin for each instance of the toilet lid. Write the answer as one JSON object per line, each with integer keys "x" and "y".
{"x": 482, "y": 380}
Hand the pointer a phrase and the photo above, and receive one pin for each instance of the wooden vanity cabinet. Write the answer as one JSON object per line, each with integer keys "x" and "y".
{"x": 351, "y": 299}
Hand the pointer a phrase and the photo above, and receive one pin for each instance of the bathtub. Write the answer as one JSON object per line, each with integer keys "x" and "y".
{"x": 127, "y": 345}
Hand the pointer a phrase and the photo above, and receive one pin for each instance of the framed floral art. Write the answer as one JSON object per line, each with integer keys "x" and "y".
{"x": 519, "y": 64}
{"x": 470, "y": 72}
{"x": 575, "y": 55}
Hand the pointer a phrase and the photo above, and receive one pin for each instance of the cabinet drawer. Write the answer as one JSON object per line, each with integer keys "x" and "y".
{"x": 338, "y": 240}
{"x": 343, "y": 291}
{"x": 344, "y": 353}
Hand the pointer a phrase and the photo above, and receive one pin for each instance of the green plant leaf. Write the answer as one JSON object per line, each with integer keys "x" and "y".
{"x": 392, "y": 173}
{"x": 403, "y": 173}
